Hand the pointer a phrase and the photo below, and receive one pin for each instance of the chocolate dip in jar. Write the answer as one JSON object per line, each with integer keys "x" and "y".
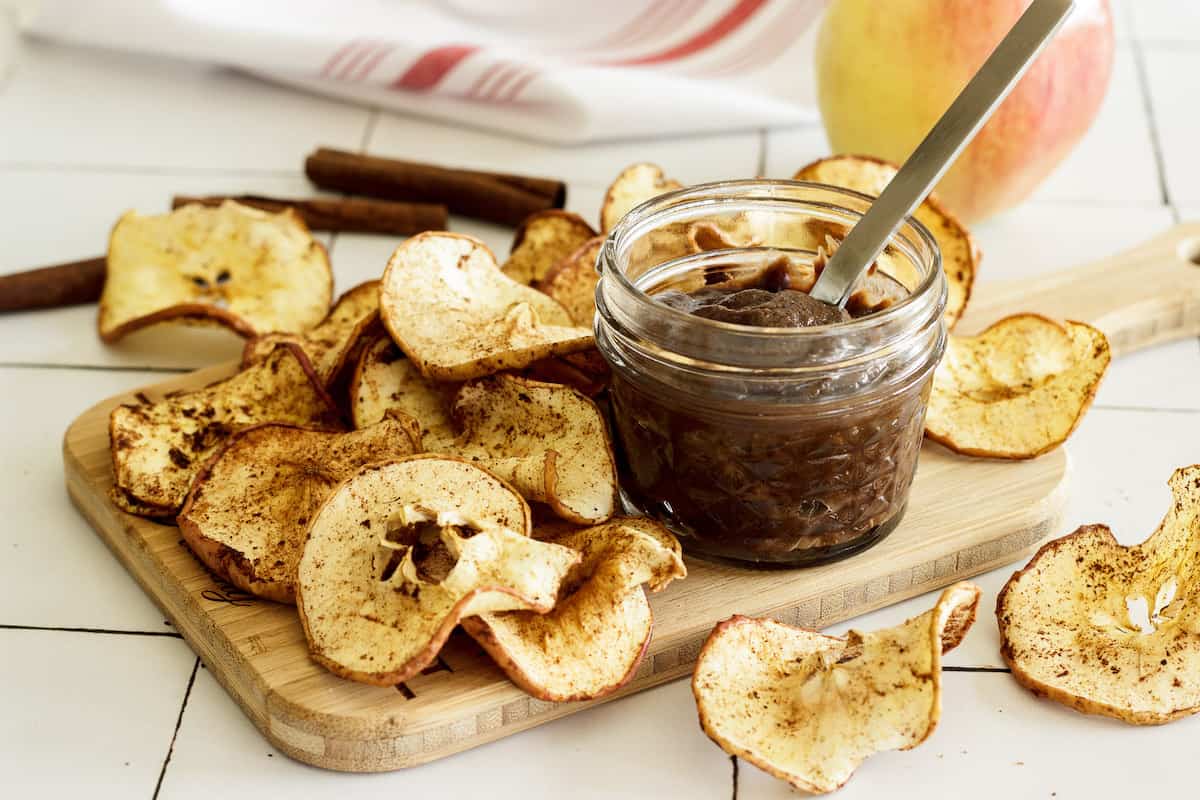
{"x": 761, "y": 425}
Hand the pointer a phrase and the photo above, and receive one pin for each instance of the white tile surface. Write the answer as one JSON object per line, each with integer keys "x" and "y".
{"x": 1174, "y": 77}
{"x": 157, "y": 113}
{"x": 54, "y": 570}
{"x": 690, "y": 159}
{"x": 1158, "y": 21}
{"x": 648, "y": 745}
{"x": 789, "y": 149}
{"x": 996, "y": 740}
{"x": 88, "y": 714}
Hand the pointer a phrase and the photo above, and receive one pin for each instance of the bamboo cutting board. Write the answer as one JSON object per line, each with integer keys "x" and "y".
{"x": 965, "y": 516}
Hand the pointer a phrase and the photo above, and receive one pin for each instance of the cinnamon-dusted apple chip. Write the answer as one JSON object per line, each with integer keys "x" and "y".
{"x": 548, "y": 440}
{"x": 572, "y": 282}
{"x": 249, "y": 270}
{"x": 248, "y": 511}
{"x": 334, "y": 344}
{"x": 1112, "y": 630}
{"x": 1018, "y": 389}
{"x": 960, "y": 253}
{"x": 385, "y": 380}
{"x": 593, "y": 640}
{"x": 636, "y": 184}
{"x": 542, "y": 240}
{"x": 457, "y": 316}
{"x": 809, "y": 708}
{"x": 402, "y": 551}
{"x": 158, "y": 448}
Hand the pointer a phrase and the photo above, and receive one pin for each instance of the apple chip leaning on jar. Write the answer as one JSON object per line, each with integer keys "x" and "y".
{"x": 248, "y": 510}
{"x": 636, "y": 184}
{"x": 960, "y": 254}
{"x": 249, "y": 270}
{"x": 593, "y": 640}
{"x": 1016, "y": 390}
{"x": 542, "y": 240}
{"x": 572, "y": 281}
{"x": 457, "y": 316}
{"x": 548, "y": 440}
{"x": 384, "y": 380}
{"x": 402, "y": 551}
{"x": 333, "y": 345}
{"x": 809, "y": 708}
{"x": 1112, "y": 630}
{"x": 158, "y": 448}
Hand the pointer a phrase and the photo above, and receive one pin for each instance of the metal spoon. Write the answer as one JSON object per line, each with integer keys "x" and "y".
{"x": 934, "y": 155}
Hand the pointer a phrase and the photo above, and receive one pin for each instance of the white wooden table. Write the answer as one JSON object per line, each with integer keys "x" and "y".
{"x": 98, "y": 694}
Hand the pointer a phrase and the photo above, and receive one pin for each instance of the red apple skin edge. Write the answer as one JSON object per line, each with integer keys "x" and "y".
{"x": 887, "y": 71}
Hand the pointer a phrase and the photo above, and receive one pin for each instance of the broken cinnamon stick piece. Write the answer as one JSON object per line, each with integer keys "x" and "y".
{"x": 50, "y": 287}
{"x": 351, "y": 214}
{"x": 493, "y": 196}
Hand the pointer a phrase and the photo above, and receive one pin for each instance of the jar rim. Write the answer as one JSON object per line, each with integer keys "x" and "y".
{"x": 642, "y": 216}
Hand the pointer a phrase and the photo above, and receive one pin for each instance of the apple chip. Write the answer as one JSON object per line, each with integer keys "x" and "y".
{"x": 402, "y": 551}
{"x": 1112, "y": 630}
{"x": 457, "y": 316}
{"x": 548, "y": 440}
{"x": 635, "y": 185}
{"x": 1016, "y": 390}
{"x": 586, "y": 371}
{"x": 572, "y": 282}
{"x": 248, "y": 511}
{"x": 385, "y": 380}
{"x": 593, "y": 640}
{"x": 334, "y": 344}
{"x": 157, "y": 448}
{"x": 249, "y": 270}
{"x": 543, "y": 239}
{"x": 960, "y": 254}
{"x": 809, "y": 708}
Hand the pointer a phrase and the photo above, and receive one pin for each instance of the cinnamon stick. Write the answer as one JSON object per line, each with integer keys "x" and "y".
{"x": 350, "y": 214}
{"x": 69, "y": 284}
{"x": 494, "y": 196}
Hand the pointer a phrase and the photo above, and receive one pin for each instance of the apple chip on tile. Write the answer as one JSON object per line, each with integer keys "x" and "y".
{"x": 385, "y": 380}
{"x": 960, "y": 254}
{"x": 809, "y": 708}
{"x": 248, "y": 510}
{"x": 1112, "y": 630}
{"x": 572, "y": 281}
{"x": 1016, "y": 390}
{"x": 333, "y": 345}
{"x": 593, "y": 640}
{"x": 158, "y": 448}
{"x": 249, "y": 270}
{"x": 548, "y": 440}
{"x": 457, "y": 316}
{"x": 542, "y": 240}
{"x": 402, "y": 551}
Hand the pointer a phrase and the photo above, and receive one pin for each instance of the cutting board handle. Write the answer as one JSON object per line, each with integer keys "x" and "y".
{"x": 1141, "y": 297}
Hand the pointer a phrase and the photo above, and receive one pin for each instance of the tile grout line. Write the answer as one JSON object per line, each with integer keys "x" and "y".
{"x": 129, "y": 169}
{"x": 761, "y": 165}
{"x": 105, "y": 631}
{"x": 734, "y": 761}
{"x": 983, "y": 670}
{"x": 1139, "y": 62}
{"x": 187, "y": 693}
{"x": 1148, "y": 410}
{"x": 97, "y": 367}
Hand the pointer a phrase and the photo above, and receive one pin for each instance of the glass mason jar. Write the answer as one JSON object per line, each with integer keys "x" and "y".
{"x": 767, "y": 446}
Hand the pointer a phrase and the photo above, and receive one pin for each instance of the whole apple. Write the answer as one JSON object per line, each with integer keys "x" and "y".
{"x": 887, "y": 71}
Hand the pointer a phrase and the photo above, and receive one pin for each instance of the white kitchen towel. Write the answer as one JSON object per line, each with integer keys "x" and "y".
{"x": 558, "y": 70}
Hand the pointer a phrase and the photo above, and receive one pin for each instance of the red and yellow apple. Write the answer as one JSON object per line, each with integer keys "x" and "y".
{"x": 887, "y": 70}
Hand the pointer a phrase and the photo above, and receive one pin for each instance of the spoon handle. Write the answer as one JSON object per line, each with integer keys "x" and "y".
{"x": 934, "y": 155}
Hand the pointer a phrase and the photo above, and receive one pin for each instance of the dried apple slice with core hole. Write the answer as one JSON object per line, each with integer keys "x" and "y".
{"x": 1018, "y": 389}
{"x": 158, "y": 448}
{"x": 402, "y": 551}
{"x": 236, "y": 266}
{"x": 385, "y": 380}
{"x": 591, "y": 643}
{"x": 248, "y": 511}
{"x": 809, "y": 708}
{"x": 960, "y": 254}
{"x": 1112, "y": 630}
{"x": 550, "y": 441}
{"x": 457, "y": 316}
{"x": 542, "y": 240}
